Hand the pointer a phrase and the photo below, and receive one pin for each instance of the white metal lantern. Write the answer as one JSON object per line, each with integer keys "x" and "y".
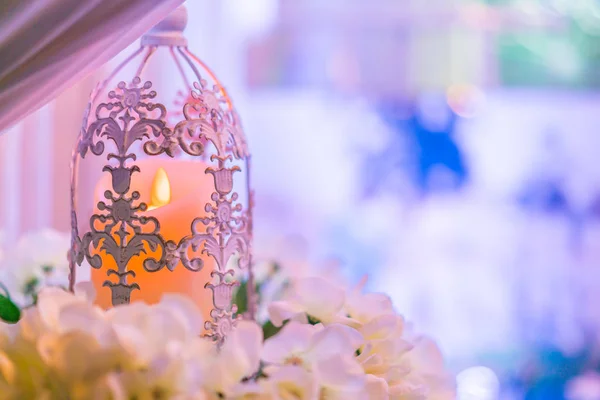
{"x": 168, "y": 203}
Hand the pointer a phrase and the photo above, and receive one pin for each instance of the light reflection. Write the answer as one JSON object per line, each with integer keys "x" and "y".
{"x": 477, "y": 383}
{"x": 465, "y": 100}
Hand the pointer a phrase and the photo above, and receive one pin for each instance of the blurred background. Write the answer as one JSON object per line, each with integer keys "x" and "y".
{"x": 448, "y": 148}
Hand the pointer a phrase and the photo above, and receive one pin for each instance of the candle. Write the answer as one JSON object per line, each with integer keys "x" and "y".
{"x": 176, "y": 193}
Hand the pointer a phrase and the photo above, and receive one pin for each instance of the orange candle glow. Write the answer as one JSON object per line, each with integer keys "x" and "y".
{"x": 176, "y": 193}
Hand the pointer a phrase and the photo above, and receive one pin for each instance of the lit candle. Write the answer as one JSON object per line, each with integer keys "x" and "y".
{"x": 176, "y": 193}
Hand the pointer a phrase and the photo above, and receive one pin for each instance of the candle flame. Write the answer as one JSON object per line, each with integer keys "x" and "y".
{"x": 160, "y": 194}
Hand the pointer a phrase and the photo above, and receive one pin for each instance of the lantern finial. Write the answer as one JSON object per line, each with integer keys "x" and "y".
{"x": 169, "y": 31}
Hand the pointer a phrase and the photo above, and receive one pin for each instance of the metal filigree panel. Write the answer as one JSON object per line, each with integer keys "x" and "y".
{"x": 121, "y": 230}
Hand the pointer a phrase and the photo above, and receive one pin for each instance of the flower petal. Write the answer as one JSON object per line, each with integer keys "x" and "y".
{"x": 377, "y": 388}
{"x": 340, "y": 372}
{"x": 294, "y": 338}
{"x": 334, "y": 340}
{"x": 186, "y": 309}
{"x": 293, "y": 382}
{"x": 85, "y": 290}
{"x": 319, "y": 297}
{"x": 281, "y": 311}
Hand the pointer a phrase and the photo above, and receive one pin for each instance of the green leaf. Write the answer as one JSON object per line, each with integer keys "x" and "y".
{"x": 312, "y": 320}
{"x": 31, "y": 286}
{"x": 270, "y": 330}
{"x": 47, "y": 269}
{"x": 9, "y": 312}
{"x": 34, "y": 298}
{"x": 241, "y": 298}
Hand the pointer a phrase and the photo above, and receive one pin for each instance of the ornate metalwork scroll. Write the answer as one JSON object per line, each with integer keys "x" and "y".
{"x": 120, "y": 230}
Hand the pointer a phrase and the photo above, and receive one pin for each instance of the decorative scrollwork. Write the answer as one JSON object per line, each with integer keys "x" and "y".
{"x": 120, "y": 229}
{"x": 223, "y": 314}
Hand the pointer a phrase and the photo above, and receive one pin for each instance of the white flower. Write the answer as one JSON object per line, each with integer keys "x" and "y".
{"x": 238, "y": 358}
{"x": 164, "y": 348}
{"x": 427, "y": 370}
{"x": 60, "y": 311}
{"x": 341, "y": 377}
{"x": 386, "y": 352}
{"x": 335, "y": 343}
{"x": 293, "y": 382}
{"x": 385, "y": 345}
{"x": 39, "y": 259}
{"x": 150, "y": 331}
{"x": 314, "y": 297}
{"x": 302, "y": 344}
{"x": 365, "y": 307}
{"x": 327, "y": 352}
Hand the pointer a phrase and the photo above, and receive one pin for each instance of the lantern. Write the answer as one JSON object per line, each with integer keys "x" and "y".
{"x": 164, "y": 204}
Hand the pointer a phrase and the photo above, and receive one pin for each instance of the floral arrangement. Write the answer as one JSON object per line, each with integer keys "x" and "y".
{"x": 316, "y": 339}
